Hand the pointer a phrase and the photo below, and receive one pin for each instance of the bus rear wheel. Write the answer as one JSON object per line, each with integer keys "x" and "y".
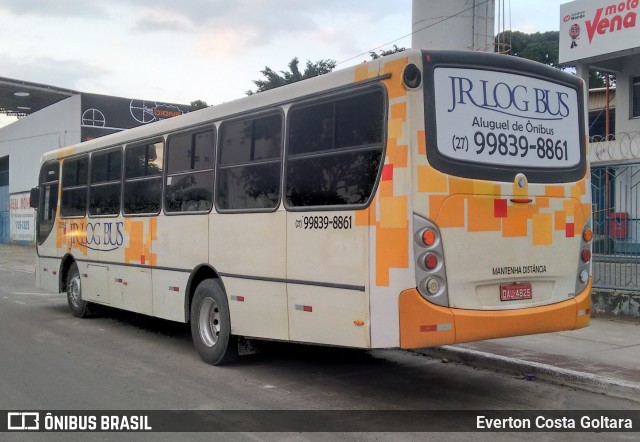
{"x": 79, "y": 308}
{"x": 211, "y": 325}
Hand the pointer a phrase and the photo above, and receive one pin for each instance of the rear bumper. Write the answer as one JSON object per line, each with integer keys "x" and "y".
{"x": 423, "y": 324}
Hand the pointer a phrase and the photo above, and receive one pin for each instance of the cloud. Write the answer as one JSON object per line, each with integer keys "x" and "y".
{"x": 57, "y": 8}
{"x": 70, "y": 74}
{"x": 262, "y": 21}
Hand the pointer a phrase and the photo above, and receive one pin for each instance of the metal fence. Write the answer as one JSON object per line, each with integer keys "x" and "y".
{"x": 616, "y": 247}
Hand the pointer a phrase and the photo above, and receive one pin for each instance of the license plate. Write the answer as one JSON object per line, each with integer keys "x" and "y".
{"x": 515, "y": 292}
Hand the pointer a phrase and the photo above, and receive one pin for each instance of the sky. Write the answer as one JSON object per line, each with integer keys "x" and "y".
{"x": 181, "y": 51}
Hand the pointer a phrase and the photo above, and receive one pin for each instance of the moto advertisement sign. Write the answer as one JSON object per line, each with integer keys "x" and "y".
{"x": 589, "y": 28}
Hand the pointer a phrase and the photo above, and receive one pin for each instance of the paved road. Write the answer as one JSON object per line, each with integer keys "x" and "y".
{"x": 51, "y": 360}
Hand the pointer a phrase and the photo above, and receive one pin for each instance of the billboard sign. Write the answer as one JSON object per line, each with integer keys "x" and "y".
{"x": 104, "y": 115}
{"x": 589, "y": 28}
{"x": 22, "y": 218}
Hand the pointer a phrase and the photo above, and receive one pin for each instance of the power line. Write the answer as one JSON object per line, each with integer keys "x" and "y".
{"x": 410, "y": 34}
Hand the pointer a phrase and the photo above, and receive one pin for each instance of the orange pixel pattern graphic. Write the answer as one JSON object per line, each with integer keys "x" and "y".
{"x": 482, "y": 206}
{"x": 140, "y": 242}
{"x": 390, "y": 210}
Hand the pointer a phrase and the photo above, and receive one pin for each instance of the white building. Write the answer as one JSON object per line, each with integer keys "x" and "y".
{"x": 52, "y": 118}
{"x": 604, "y": 35}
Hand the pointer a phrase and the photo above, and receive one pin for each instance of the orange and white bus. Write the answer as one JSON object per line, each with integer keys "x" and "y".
{"x": 420, "y": 199}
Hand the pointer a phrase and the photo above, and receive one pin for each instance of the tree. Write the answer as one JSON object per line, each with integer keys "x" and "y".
{"x": 543, "y": 48}
{"x": 374, "y": 55}
{"x": 273, "y": 79}
{"x": 198, "y": 104}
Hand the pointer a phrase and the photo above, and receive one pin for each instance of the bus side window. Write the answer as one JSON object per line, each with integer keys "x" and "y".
{"x": 106, "y": 183}
{"x": 74, "y": 187}
{"x": 335, "y": 151}
{"x": 143, "y": 178}
{"x": 48, "y": 203}
{"x": 189, "y": 186}
{"x": 249, "y": 164}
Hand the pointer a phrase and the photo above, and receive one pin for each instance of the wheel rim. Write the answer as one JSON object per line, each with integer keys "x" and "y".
{"x": 73, "y": 291}
{"x": 209, "y": 322}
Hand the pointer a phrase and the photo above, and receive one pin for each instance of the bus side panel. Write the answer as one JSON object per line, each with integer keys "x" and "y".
{"x": 169, "y": 288}
{"x": 182, "y": 241}
{"x": 248, "y": 251}
{"x": 47, "y": 277}
{"x": 327, "y": 315}
{"x": 181, "y": 244}
{"x": 327, "y": 271}
{"x": 95, "y": 282}
{"x": 131, "y": 289}
{"x": 246, "y": 298}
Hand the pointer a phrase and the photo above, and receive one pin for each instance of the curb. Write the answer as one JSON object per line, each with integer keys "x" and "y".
{"x": 616, "y": 303}
{"x": 562, "y": 376}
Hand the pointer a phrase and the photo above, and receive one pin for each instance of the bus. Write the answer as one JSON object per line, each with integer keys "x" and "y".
{"x": 420, "y": 199}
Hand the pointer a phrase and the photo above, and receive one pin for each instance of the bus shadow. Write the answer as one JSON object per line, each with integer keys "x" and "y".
{"x": 145, "y": 323}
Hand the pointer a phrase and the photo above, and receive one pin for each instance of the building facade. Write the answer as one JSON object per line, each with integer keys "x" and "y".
{"x": 74, "y": 118}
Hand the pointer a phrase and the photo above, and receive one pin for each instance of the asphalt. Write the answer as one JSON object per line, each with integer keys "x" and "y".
{"x": 604, "y": 357}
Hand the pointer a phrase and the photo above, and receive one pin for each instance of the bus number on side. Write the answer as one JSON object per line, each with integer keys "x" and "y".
{"x": 324, "y": 222}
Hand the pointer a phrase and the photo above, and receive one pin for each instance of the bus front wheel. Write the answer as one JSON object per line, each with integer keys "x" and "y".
{"x": 211, "y": 325}
{"x": 79, "y": 308}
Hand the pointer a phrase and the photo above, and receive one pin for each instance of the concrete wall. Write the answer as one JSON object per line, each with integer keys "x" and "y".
{"x": 448, "y": 27}
{"x": 28, "y": 138}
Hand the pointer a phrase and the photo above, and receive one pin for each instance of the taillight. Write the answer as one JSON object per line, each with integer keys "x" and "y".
{"x": 430, "y": 261}
{"x": 584, "y": 264}
{"x": 428, "y": 237}
{"x": 431, "y": 278}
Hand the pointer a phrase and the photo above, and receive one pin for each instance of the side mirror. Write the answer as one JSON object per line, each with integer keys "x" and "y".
{"x": 34, "y": 198}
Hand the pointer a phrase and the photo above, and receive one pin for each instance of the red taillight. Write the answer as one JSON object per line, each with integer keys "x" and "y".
{"x": 585, "y": 255}
{"x": 428, "y": 237}
{"x": 431, "y": 261}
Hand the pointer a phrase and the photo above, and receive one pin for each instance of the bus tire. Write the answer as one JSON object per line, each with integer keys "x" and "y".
{"x": 79, "y": 308}
{"x": 211, "y": 325}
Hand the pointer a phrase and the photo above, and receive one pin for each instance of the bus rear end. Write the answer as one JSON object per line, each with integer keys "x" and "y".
{"x": 501, "y": 227}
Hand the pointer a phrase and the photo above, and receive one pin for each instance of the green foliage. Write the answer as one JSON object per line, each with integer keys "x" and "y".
{"x": 382, "y": 53}
{"x": 543, "y": 48}
{"x": 273, "y": 79}
{"x": 540, "y": 46}
{"x": 198, "y": 104}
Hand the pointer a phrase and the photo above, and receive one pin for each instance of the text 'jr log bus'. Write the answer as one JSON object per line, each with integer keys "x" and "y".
{"x": 420, "y": 199}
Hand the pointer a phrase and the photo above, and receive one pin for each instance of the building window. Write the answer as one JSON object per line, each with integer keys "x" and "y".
{"x": 335, "y": 151}
{"x": 635, "y": 97}
{"x": 249, "y": 164}
{"x": 190, "y": 172}
{"x": 143, "y": 178}
{"x": 74, "y": 187}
